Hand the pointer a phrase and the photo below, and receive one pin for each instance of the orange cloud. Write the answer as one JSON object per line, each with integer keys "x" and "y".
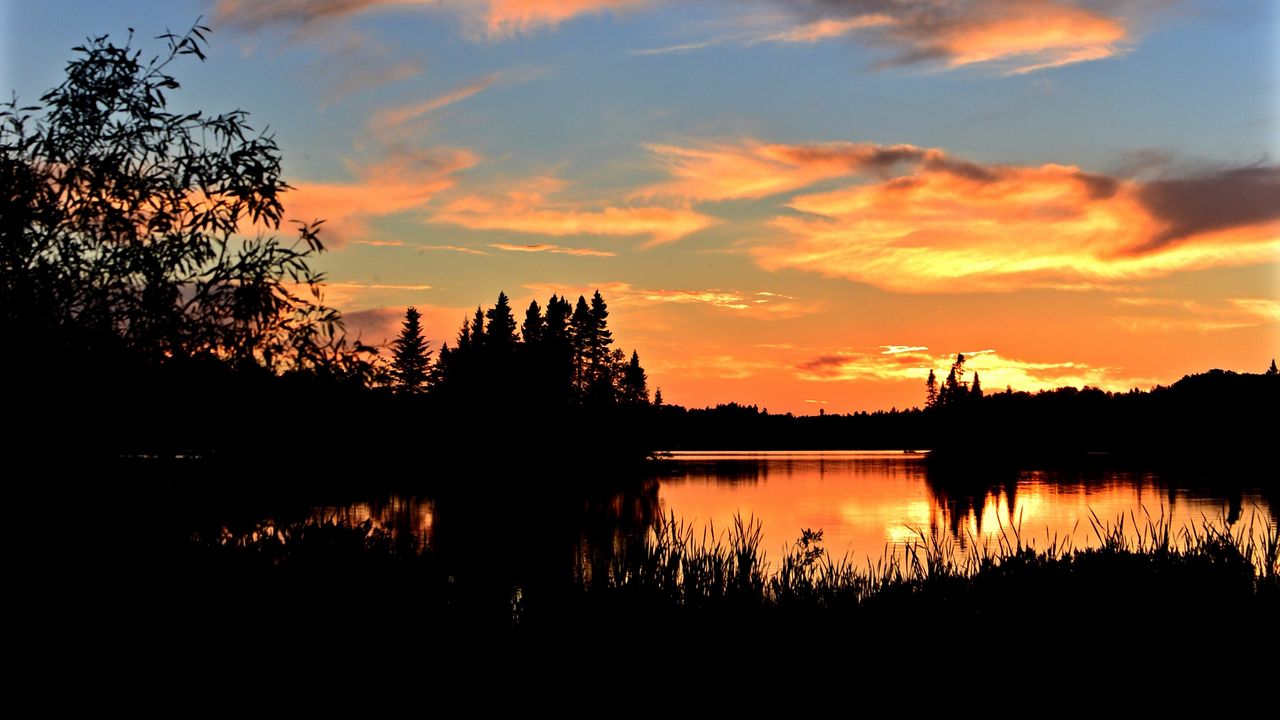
{"x": 1010, "y": 36}
{"x": 401, "y": 184}
{"x": 530, "y": 209}
{"x": 494, "y": 18}
{"x": 762, "y": 304}
{"x": 995, "y": 370}
{"x": 953, "y": 226}
{"x": 454, "y": 248}
{"x": 554, "y": 249}
{"x": 504, "y": 18}
{"x": 753, "y": 169}
{"x": 1032, "y": 36}
{"x": 1148, "y": 314}
{"x": 1017, "y": 36}
{"x": 828, "y": 28}
{"x": 393, "y": 117}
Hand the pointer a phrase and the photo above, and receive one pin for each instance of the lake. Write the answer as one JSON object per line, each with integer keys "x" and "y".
{"x": 864, "y": 503}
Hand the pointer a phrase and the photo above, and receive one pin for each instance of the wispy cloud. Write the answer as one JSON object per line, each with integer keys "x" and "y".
{"x": 387, "y": 187}
{"x": 506, "y": 18}
{"x": 454, "y": 248}
{"x": 484, "y": 19}
{"x": 554, "y": 249}
{"x": 749, "y": 168}
{"x": 827, "y": 28}
{"x": 758, "y": 304}
{"x": 995, "y": 370}
{"x": 1158, "y": 315}
{"x": 1006, "y": 36}
{"x": 392, "y": 117}
{"x": 355, "y": 62}
{"x": 535, "y": 206}
{"x": 375, "y": 286}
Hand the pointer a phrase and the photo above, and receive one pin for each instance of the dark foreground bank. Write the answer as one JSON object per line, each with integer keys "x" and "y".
{"x": 355, "y": 588}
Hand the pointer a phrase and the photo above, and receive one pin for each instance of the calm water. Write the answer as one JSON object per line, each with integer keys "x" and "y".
{"x": 864, "y": 502}
{"x": 867, "y": 501}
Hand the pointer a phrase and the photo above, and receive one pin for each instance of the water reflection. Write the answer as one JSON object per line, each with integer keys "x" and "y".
{"x": 866, "y": 504}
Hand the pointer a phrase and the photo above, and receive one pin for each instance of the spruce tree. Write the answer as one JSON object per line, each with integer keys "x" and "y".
{"x": 581, "y": 329}
{"x": 557, "y": 348}
{"x": 531, "y": 328}
{"x": 1272, "y": 370}
{"x": 976, "y": 390}
{"x": 931, "y": 390}
{"x": 410, "y": 356}
{"x": 635, "y": 389}
{"x": 478, "y": 339}
{"x": 601, "y": 337}
{"x": 464, "y": 338}
{"x": 657, "y": 397}
{"x": 954, "y": 388}
{"x": 500, "y": 337}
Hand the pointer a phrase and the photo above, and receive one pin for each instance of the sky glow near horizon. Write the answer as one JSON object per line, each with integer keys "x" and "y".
{"x": 789, "y": 203}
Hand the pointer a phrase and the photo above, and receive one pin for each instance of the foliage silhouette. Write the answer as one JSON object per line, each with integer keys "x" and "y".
{"x": 411, "y": 358}
{"x": 132, "y": 228}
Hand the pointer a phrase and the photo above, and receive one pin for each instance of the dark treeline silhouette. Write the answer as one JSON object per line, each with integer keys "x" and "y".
{"x": 561, "y": 357}
{"x": 553, "y": 388}
{"x": 1219, "y": 413}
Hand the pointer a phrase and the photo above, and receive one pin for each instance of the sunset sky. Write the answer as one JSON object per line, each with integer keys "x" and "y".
{"x": 792, "y": 203}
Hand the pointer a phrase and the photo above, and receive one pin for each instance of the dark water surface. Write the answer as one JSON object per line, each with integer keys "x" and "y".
{"x": 864, "y": 502}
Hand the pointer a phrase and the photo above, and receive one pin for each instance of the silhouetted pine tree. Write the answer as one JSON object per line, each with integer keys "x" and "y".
{"x": 953, "y": 390}
{"x": 580, "y": 331}
{"x": 1272, "y": 370}
{"x": 601, "y": 337}
{"x": 531, "y": 328}
{"x": 976, "y": 390}
{"x": 558, "y": 349}
{"x": 410, "y": 356}
{"x": 500, "y": 337}
{"x": 478, "y": 339}
{"x": 635, "y": 387}
{"x": 657, "y": 397}
{"x": 931, "y": 390}
{"x": 440, "y": 369}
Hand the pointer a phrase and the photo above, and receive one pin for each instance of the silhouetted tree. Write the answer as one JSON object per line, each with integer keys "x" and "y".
{"x": 975, "y": 391}
{"x": 580, "y": 331}
{"x": 1272, "y": 370}
{"x": 657, "y": 397}
{"x": 635, "y": 387}
{"x": 531, "y": 328}
{"x": 555, "y": 326}
{"x": 600, "y": 337}
{"x": 954, "y": 389}
{"x": 479, "y": 339}
{"x": 129, "y": 226}
{"x": 439, "y": 369}
{"x": 464, "y": 338}
{"x": 931, "y": 390}
{"x": 410, "y": 356}
{"x": 500, "y": 338}
{"x": 558, "y": 350}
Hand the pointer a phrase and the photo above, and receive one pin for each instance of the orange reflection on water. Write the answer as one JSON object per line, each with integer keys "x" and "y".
{"x": 395, "y": 513}
{"x": 868, "y": 502}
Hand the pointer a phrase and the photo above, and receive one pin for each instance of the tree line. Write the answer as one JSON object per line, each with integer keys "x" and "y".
{"x": 561, "y": 354}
